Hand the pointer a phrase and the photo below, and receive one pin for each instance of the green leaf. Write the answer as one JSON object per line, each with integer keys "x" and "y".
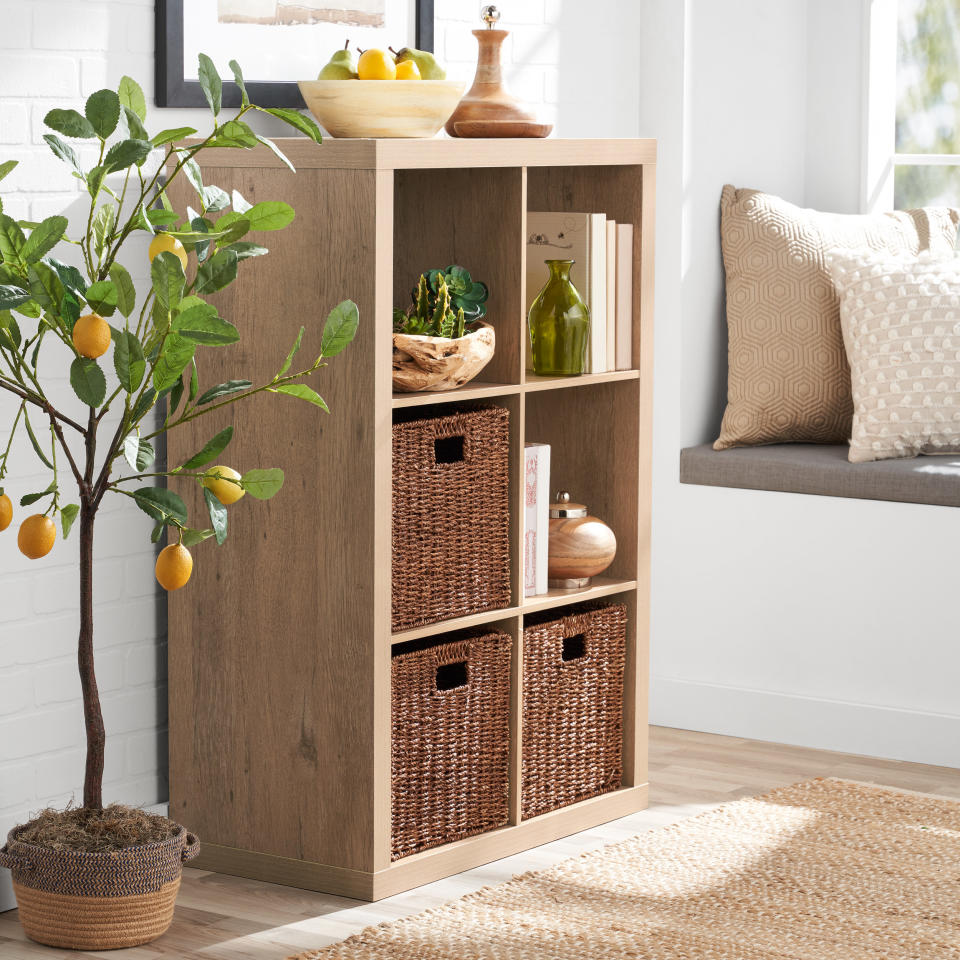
{"x": 340, "y": 328}
{"x": 269, "y": 215}
{"x": 210, "y": 83}
{"x": 171, "y": 135}
{"x": 297, "y": 120}
{"x": 161, "y": 504}
{"x": 218, "y": 515}
{"x": 176, "y": 354}
{"x": 214, "y": 198}
{"x": 10, "y": 332}
{"x": 173, "y": 401}
{"x": 33, "y": 441}
{"x": 145, "y": 402}
{"x": 70, "y": 124}
{"x": 45, "y": 286}
{"x": 69, "y": 313}
{"x": 217, "y": 272}
{"x": 192, "y": 172}
{"x": 131, "y": 96}
{"x": 192, "y": 537}
{"x": 166, "y": 272}
{"x": 103, "y": 112}
{"x": 128, "y": 360}
{"x": 246, "y": 249}
{"x": 240, "y": 205}
{"x": 88, "y": 381}
{"x": 102, "y": 296}
{"x": 234, "y": 133}
{"x": 135, "y": 128}
{"x": 282, "y": 156}
{"x": 194, "y": 381}
{"x": 138, "y": 453}
{"x": 12, "y": 297}
{"x": 156, "y": 533}
{"x": 291, "y": 354}
{"x": 43, "y": 239}
{"x": 95, "y": 180}
{"x": 202, "y": 247}
{"x": 67, "y": 515}
{"x": 12, "y": 239}
{"x": 103, "y": 224}
{"x": 126, "y": 292}
{"x": 29, "y": 498}
{"x": 303, "y": 392}
{"x": 238, "y": 78}
{"x": 63, "y": 151}
{"x": 223, "y": 390}
{"x": 162, "y": 218}
{"x": 69, "y": 276}
{"x": 211, "y": 450}
{"x": 262, "y": 484}
{"x": 202, "y": 325}
{"x": 6, "y": 167}
{"x": 126, "y": 153}
{"x": 231, "y": 227}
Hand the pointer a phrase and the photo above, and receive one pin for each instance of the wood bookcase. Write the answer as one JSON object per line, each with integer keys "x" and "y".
{"x": 279, "y": 650}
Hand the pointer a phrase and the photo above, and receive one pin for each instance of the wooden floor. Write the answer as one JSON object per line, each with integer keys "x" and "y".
{"x": 227, "y": 918}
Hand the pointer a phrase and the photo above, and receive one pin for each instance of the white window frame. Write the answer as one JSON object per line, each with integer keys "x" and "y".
{"x": 879, "y": 156}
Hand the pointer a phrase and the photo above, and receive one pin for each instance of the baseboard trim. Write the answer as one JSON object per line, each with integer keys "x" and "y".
{"x": 886, "y": 732}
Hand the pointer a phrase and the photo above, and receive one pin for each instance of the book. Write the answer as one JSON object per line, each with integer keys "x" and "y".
{"x": 581, "y": 237}
{"x": 624, "y": 311}
{"x": 611, "y": 324}
{"x": 536, "y": 517}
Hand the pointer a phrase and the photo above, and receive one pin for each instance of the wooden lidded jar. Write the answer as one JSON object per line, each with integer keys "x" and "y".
{"x": 580, "y": 546}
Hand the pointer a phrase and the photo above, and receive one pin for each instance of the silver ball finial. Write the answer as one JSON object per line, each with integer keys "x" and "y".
{"x": 490, "y": 15}
{"x": 563, "y": 496}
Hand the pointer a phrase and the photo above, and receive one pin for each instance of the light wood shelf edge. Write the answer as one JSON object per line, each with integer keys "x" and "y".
{"x": 476, "y": 390}
{"x": 534, "y": 383}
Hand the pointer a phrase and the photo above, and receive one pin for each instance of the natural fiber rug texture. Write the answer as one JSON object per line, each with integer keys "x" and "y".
{"x": 823, "y": 870}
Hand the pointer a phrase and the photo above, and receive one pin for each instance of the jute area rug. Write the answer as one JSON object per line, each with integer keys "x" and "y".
{"x": 822, "y": 870}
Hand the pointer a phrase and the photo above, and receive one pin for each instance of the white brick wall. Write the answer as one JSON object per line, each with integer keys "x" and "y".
{"x": 56, "y": 54}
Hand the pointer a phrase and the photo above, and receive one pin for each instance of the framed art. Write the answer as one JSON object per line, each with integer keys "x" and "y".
{"x": 277, "y": 42}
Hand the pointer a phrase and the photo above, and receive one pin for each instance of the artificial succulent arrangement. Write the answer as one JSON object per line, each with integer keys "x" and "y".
{"x": 445, "y": 303}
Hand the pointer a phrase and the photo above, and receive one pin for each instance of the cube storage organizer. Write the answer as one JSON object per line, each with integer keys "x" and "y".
{"x": 451, "y": 517}
{"x": 450, "y": 739}
{"x": 572, "y": 705}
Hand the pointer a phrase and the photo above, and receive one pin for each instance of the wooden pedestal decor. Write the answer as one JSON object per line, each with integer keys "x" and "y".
{"x": 97, "y": 901}
{"x": 451, "y": 741}
{"x": 572, "y": 706}
{"x": 439, "y": 363}
{"x": 282, "y": 753}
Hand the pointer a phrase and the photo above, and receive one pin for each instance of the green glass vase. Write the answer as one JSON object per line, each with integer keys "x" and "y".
{"x": 559, "y": 323}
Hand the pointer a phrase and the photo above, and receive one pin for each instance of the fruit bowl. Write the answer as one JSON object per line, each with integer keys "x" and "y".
{"x": 381, "y": 108}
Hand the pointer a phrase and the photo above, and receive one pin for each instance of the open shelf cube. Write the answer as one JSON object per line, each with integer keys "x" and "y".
{"x": 280, "y": 662}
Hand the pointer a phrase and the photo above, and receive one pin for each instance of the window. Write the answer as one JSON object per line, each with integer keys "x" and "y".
{"x": 927, "y": 139}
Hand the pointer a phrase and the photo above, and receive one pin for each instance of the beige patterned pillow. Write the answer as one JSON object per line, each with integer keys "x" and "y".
{"x": 901, "y": 326}
{"x": 788, "y": 376}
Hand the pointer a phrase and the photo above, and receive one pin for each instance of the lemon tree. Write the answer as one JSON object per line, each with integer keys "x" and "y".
{"x": 68, "y": 307}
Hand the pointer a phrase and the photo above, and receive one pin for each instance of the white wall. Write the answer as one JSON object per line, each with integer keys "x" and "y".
{"x": 808, "y": 620}
{"x": 56, "y": 54}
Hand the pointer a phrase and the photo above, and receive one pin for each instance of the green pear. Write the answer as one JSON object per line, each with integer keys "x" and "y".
{"x": 342, "y": 66}
{"x": 426, "y": 62}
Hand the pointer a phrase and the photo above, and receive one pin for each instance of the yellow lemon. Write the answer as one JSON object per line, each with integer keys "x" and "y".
{"x": 6, "y": 511}
{"x": 223, "y": 489}
{"x": 91, "y": 336}
{"x": 164, "y": 243}
{"x": 408, "y": 70}
{"x": 376, "y": 65}
{"x": 36, "y": 536}
{"x": 174, "y": 566}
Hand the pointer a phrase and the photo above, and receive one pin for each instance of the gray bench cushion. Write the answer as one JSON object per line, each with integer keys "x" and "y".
{"x": 823, "y": 469}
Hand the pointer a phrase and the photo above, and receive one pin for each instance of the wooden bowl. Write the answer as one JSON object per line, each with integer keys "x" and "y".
{"x": 438, "y": 363}
{"x": 381, "y": 108}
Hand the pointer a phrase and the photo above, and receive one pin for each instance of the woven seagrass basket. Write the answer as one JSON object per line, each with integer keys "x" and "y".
{"x": 451, "y": 516}
{"x": 97, "y": 901}
{"x": 572, "y": 705}
{"x": 451, "y": 740}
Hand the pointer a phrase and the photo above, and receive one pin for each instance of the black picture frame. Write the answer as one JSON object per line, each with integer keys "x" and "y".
{"x": 172, "y": 90}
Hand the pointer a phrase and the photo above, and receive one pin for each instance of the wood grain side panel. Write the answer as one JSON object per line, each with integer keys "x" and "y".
{"x": 271, "y": 646}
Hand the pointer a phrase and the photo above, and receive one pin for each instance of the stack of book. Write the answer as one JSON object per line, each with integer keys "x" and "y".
{"x": 602, "y": 274}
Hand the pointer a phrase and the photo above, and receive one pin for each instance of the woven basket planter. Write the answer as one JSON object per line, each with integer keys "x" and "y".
{"x": 97, "y": 901}
{"x": 451, "y": 516}
{"x": 451, "y": 741}
{"x": 572, "y": 706}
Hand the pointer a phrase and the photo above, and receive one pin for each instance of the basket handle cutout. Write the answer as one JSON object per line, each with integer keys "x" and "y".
{"x": 191, "y": 848}
{"x": 11, "y": 862}
{"x": 450, "y": 676}
{"x": 449, "y": 449}
{"x": 574, "y": 648}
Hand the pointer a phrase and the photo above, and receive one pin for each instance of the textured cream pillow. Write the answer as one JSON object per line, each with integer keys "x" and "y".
{"x": 901, "y": 326}
{"x": 788, "y": 376}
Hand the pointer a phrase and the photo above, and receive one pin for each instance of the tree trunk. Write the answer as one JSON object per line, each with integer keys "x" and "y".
{"x": 93, "y": 716}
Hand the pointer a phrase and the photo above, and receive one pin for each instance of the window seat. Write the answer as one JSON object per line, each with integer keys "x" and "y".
{"x": 823, "y": 469}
